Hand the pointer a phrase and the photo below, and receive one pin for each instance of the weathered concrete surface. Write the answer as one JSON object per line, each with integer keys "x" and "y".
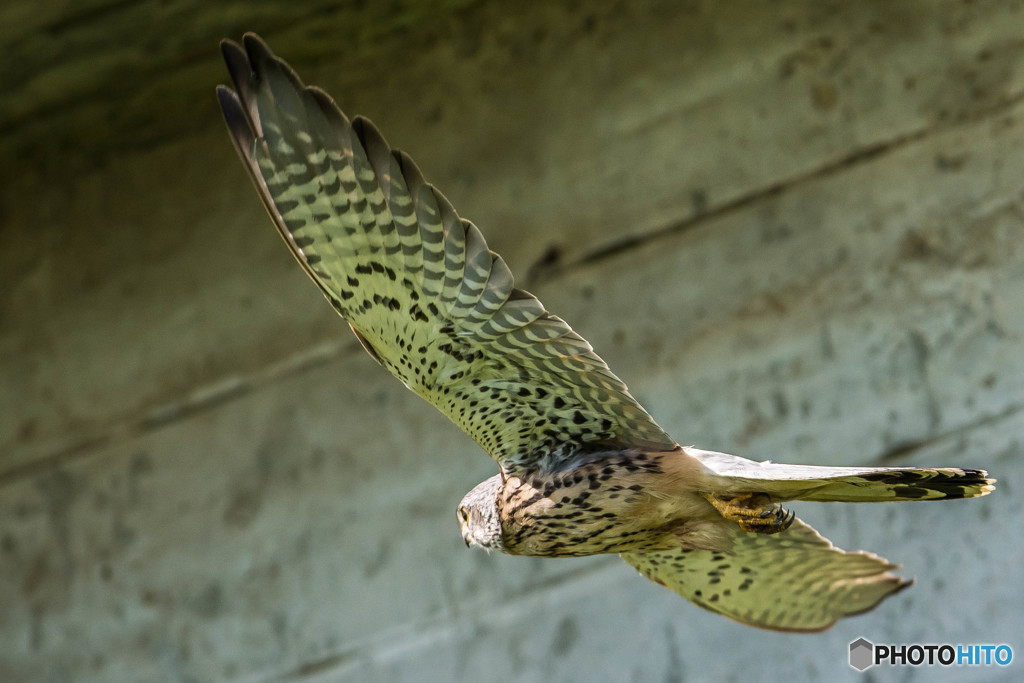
{"x": 559, "y": 131}
{"x": 794, "y": 229}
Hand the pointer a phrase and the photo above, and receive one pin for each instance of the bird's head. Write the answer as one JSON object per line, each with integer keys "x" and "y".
{"x": 478, "y": 515}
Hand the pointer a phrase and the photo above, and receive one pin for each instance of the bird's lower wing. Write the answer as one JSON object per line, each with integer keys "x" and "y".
{"x": 416, "y": 282}
{"x": 791, "y": 581}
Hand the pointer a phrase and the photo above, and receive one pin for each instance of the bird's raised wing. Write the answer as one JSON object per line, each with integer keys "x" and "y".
{"x": 416, "y": 282}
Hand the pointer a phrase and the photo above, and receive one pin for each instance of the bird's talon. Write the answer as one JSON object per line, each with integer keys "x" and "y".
{"x": 754, "y": 512}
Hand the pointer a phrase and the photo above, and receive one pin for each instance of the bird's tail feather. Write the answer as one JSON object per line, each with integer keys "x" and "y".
{"x": 733, "y": 474}
{"x": 904, "y": 484}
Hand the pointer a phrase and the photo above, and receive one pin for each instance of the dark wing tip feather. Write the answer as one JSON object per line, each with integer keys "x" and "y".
{"x": 237, "y": 120}
{"x": 265, "y": 63}
{"x": 378, "y": 152}
{"x": 252, "y": 65}
{"x": 372, "y": 139}
{"x": 243, "y": 78}
{"x": 410, "y": 171}
{"x": 257, "y": 51}
{"x": 329, "y": 108}
{"x": 236, "y": 60}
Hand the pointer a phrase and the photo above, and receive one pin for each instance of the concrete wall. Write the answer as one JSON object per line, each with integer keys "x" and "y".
{"x": 796, "y": 229}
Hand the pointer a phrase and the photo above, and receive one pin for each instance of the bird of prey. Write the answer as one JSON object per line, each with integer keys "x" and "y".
{"x": 583, "y": 468}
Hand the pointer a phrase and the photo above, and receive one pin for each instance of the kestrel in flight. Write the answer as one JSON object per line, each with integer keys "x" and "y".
{"x": 583, "y": 468}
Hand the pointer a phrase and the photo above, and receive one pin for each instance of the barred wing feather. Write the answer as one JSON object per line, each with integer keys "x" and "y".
{"x": 416, "y": 282}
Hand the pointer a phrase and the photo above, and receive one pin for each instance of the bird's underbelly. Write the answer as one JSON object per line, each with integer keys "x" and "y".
{"x": 612, "y": 505}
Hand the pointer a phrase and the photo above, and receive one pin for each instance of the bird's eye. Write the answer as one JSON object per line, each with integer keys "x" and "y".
{"x": 464, "y": 514}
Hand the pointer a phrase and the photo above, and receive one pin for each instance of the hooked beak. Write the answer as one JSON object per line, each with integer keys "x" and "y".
{"x": 465, "y": 539}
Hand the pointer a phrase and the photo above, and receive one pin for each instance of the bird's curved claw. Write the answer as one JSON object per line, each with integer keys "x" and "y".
{"x": 754, "y": 512}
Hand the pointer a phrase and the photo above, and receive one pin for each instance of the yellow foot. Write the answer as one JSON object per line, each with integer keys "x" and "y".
{"x": 753, "y": 512}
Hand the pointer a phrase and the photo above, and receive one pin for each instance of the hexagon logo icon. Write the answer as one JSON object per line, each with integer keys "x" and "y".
{"x": 862, "y": 654}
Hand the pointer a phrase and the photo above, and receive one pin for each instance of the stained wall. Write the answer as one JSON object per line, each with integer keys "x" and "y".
{"x": 795, "y": 229}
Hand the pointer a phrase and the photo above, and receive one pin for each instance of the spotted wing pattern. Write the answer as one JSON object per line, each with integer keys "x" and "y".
{"x": 791, "y": 581}
{"x": 416, "y": 282}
